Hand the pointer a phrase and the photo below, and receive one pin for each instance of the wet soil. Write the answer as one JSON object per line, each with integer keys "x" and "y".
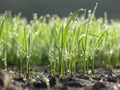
{"x": 101, "y": 80}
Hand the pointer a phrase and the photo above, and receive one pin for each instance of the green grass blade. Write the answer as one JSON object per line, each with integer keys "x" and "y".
{"x": 99, "y": 39}
{"x": 1, "y": 25}
{"x": 66, "y": 29}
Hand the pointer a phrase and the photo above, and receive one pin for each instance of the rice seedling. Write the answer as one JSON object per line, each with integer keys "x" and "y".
{"x": 25, "y": 53}
{"x": 3, "y": 50}
{"x": 70, "y": 45}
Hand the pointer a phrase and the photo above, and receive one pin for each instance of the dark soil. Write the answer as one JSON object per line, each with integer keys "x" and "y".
{"x": 101, "y": 80}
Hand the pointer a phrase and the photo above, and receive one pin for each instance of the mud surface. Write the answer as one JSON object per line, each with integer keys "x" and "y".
{"x": 101, "y": 80}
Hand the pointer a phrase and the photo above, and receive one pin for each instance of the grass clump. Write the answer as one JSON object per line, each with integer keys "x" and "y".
{"x": 70, "y": 45}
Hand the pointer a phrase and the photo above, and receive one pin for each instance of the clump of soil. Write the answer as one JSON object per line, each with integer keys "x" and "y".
{"x": 6, "y": 82}
{"x": 102, "y": 80}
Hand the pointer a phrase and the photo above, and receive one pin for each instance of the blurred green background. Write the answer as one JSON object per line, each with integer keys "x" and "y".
{"x": 59, "y": 7}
